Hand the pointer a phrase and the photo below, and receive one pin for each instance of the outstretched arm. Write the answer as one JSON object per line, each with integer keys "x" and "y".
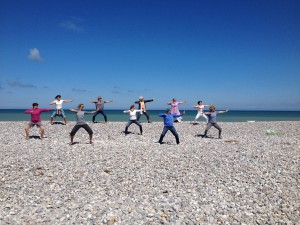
{"x": 74, "y": 110}
{"x": 223, "y": 111}
{"x": 68, "y": 100}
{"x": 52, "y": 103}
{"x": 108, "y": 101}
{"x": 150, "y": 100}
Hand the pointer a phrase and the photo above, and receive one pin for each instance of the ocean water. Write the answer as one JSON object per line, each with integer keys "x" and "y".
{"x": 119, "y": 116}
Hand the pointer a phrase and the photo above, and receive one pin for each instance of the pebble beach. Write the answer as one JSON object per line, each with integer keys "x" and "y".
{"x": 250, "y": 176}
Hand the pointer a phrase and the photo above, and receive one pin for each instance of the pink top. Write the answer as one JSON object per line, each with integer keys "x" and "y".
{"x": 175, "y": 109}
{"x": 35, "y": 114}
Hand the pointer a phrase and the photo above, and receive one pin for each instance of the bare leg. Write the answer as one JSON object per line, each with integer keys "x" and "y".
{"x": 27, "y": 131}
{"x": 51, "y": 120}
{"x": 42, "y": 132}
{"x": 65, "y": 121}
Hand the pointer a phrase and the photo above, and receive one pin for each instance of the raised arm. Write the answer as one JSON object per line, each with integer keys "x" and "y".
{"x": 223, "y": 111}
{"x": 28, "y": 111}
{"x": 74, "y": 110}
{"x": 150, "y": 100}
{"x": 108, "y": 101}
{"x": 126, "y": 111}
{"x": 94, "y": 101}
{"x": 68, "y": 100}
{"x": 162, "y": 115}
{"x": 52, "y": 103}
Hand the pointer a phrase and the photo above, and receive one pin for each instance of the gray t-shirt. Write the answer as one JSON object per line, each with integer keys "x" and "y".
{"x": 212, "y": 118}
{"x": 99, "y": 106}
{"x": 80, "y": 117}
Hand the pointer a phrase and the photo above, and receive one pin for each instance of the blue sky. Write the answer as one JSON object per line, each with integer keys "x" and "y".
{"x": 233, "y": 54}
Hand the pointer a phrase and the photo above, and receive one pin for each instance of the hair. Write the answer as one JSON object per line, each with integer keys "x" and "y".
{"x": 199, "y": 102}
{"x": 79, "y": 105}
{"x": 57, "y": 96}
{"x": 132, "y": 106}
{"x": 212, "y": 108}
{"x": 99, "y": 97}
{"x": 34, "y": 104}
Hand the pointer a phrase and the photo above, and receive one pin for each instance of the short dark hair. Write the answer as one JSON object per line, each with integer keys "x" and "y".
{"x": 34, "y": 104}
{"x": 57, "y": 96}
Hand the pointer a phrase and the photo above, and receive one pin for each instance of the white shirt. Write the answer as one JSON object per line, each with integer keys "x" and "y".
{"x": 58, "y": 104}
{"x": 132, "y": 114}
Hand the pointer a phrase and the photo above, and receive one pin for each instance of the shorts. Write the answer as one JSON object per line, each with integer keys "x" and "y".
{"x": 32, "y": 124}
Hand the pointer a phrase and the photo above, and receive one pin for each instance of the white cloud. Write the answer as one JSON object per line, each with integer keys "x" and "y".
{"x": 34, "y": 55}
{"x": 17, "y": 84}
{"x": 71, "y": 25}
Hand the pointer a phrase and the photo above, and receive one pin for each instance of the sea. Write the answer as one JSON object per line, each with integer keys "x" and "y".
{"x": 119, "y": 116}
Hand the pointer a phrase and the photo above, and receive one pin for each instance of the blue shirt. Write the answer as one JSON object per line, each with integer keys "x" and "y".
{"x": 168, "y": 118}
{"x": 212, "y": 118}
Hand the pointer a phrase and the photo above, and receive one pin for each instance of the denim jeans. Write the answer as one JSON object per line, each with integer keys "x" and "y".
{"x": 165, "y": 130}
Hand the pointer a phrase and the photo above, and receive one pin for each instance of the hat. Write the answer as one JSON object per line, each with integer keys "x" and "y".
{"x": 141, "y": 97}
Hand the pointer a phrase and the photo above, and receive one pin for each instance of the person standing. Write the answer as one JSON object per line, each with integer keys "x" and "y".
{"x": 212, "y": 120}
{"x": 59, "y": 109}
{"x": 200, "y": 108}
{"x": 175, "y": 109}
{"x": 132, "y": 119}
{"x": 100, "y": 108}
{"x": 168, "y": 125}
{"x": 142, "y": 105}
{"x": 81, "y": 123}
{"x": 35, "y": 119}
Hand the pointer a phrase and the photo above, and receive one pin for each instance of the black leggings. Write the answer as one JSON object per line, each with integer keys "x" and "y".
{"x": 146, "y": 114}
{"x": 209, "y": 125}
{"x": 77, "y": 127}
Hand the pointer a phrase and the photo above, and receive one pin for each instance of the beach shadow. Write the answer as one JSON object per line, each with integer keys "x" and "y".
{"x": 195, "y": 123}
{"x": 164, "y": 143}
{"x": 99, "y": 122}
{"x": 56, "y": 123}
{"x": 34, "y": 137}
{"x": 74, "y": 143}
{"x": 129, "y": 132}
{"x": 202, "y": 136}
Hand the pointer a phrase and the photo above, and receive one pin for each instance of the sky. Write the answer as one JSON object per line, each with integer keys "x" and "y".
{"x": 230, "y": 53}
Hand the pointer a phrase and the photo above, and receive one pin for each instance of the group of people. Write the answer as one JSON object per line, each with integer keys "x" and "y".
{"x": 171, "y": 115}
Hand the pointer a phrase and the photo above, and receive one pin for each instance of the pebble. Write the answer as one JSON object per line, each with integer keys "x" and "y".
{"x": 248, "y": 177}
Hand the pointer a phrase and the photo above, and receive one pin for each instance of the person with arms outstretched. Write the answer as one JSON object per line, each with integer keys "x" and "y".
{"x": 175, "y": 109}
{"x": 100, "y": 108}
{"x": 200, "y": 108}
{"x": 142, "y": 105}
{"x": 132, "y": 119}
{"x": 81, "y": 123}
{"x": 35, "y": 119}
{"x": 59, "y": 109}
{"x": 212, "y": 120}
{"x": 168, "y": 125}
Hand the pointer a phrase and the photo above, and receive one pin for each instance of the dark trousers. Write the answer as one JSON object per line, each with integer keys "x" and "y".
{"x": 209, "y": 125}
{"x": 146, "y": 114}
{"x": 77, "y": 127}
{"x": 100, "y": 112}
{"x": 165, "y": 130}
{"x": 131, "y": 122}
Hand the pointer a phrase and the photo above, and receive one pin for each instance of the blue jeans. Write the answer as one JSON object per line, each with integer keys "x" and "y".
{"x": 100, "y": 112}
{"x": 165, "y": 130}
{"x": 59, "y": 112}
{"x": 131, "y": 122}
